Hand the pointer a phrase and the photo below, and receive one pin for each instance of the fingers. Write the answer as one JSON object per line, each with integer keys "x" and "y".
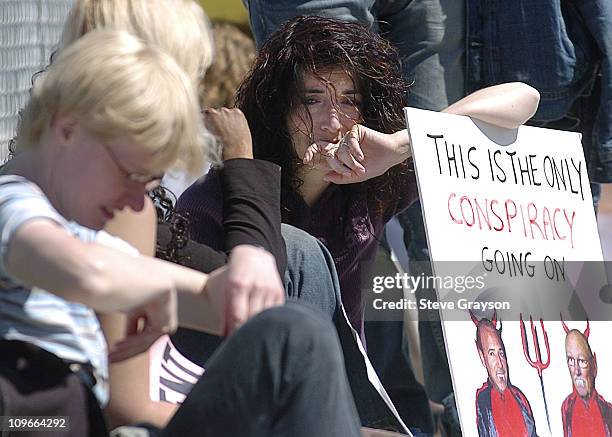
{"x": 248, "y": 302}
{"x": 250, "y": 284}
{"x": 237, "y": 309}
{"x": 310, "y": 153}
{"x": 352, "y": 140}
{"x": 345, "y": 156}
{"x": 231, "y": 128}
{"x": 340, "y": 179}
{"x": 257, "y": 303}
{"x": 132, "y": 346}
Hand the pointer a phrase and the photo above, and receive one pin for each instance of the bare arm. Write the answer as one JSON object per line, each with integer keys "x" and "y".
{"x": 129, "y": 379}
{"x": 44, "y": 255}
{"x": 507, "y": 105}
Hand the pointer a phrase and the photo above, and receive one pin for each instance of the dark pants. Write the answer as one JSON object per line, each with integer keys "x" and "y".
{"x": 282, "y": 374}
{"x": 311, "y": 279}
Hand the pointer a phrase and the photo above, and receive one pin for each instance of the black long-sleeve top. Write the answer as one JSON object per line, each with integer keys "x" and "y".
{"x": 249, "y": 209}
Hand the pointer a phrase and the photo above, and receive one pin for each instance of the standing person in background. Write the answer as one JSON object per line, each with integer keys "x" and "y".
{"x": 564, "y": 50}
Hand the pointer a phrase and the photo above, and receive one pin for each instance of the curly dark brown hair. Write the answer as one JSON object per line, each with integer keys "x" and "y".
{"x": 271, "y": 91}
{"x": 178, "y": 225}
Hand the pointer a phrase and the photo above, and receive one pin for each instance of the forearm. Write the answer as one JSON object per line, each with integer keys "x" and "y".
{"x": 103, "y": 278}
{"x": 251, "y": 207}
{"x": 507, "y": 105}
{"x": 401, "y": 151}
{"x": 118, "y": 282}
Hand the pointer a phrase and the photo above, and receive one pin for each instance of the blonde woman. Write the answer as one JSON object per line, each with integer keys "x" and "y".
{"x": 181, "y": 28}
{"x": 251, "y": 215}
{"x": 104, "y": 121}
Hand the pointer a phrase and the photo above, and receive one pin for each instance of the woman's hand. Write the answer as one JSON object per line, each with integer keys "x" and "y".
{"x": 248, "y": 284}
{"x": 362, "y": 154}
{"x": 232, "y": 130}
{"x": 145, "y": 325}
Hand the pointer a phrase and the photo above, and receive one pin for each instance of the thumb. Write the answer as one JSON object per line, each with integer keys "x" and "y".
{"x": 336, "y": 178}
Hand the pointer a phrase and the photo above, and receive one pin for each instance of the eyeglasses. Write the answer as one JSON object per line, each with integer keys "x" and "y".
{"x": 150, "y": 181}
{"x": 582, "y": 363}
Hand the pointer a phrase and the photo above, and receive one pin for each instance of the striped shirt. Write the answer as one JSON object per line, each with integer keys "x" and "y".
{"x": 66, "y": 329}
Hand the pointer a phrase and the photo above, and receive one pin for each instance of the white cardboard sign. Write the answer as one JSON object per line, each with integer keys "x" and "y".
{"x": 507, "y": 199}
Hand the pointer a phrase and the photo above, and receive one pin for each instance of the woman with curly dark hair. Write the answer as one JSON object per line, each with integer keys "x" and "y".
{"x": 324, "y": 101}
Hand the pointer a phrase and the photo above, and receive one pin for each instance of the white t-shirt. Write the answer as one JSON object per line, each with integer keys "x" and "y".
{"x": 66, "y": 329}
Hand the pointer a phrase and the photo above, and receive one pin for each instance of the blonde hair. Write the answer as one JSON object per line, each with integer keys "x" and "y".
{"x": 178, "y": 26}
{"x": 235, "y": 53}
{"x": 118, "y": 86}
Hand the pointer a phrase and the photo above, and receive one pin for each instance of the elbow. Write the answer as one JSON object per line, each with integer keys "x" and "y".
{"x": 523, "y": 106}
{"x": 528, "y": 100}
{"x": 532, "y": 100}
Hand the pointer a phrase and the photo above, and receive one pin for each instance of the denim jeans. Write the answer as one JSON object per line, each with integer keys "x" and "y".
{"x": 312, "y": 279}
{"x": 556, "y": 47}
{"x": 281, "y": 374}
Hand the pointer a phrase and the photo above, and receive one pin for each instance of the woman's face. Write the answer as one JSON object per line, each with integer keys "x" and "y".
{"x": 332, "y": 100}
{"x": 99, "y": 178}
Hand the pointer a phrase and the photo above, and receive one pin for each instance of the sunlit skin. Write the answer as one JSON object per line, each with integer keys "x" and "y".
{"x": 581, "y": 364}
{"x": 104, "y": 167}
{"x": 333, "y": 101}
{"x": 493, "y": 357}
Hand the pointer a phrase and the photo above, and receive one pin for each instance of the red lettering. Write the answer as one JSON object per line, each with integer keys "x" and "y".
{"x": 449, "y": 209}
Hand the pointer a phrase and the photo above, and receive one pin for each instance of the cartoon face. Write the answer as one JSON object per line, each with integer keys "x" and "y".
{"x": 580, "y": 363}
{"x": 493, "y": 357}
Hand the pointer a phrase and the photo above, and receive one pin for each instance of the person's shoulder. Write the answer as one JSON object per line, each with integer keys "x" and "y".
{"x": 604, "y": 403}
{"x": 485, "y": 388}
{"x": 518, "y": 392}
{"x": 23, "y": 199}
{"x": 13, "y": 185}
{"x": 207, "y": 185}
{"x": 569, "y": 400}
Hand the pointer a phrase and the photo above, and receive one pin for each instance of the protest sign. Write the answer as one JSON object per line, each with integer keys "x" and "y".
{"x": 510, "y": 214}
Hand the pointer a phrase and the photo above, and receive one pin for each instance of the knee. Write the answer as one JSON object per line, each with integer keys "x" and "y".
{"x": 300, "y": 243}
{"x": 302, "y": 330}
{"x": 294, "y": 319}
{"x": 306, "y": 253}
{"x": 311, "y": 275}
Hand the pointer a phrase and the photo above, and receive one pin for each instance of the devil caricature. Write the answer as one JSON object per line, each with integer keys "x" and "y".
{"x": 585, "y": 412}
{"x": 502, "y": 410}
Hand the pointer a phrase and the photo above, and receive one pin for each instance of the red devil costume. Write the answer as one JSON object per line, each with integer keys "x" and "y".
{"x": 503, "y": 415}
{"x": 500, "y": 412}
{"x": 586, "y": 417}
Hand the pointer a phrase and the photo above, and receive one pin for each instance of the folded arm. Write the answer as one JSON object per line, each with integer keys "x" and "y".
{"x": 508, "y": 105}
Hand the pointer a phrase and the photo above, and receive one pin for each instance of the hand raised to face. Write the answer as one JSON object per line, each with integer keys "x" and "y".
{"x": 232, "y": 131}
{"x": 362, "y": 154}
